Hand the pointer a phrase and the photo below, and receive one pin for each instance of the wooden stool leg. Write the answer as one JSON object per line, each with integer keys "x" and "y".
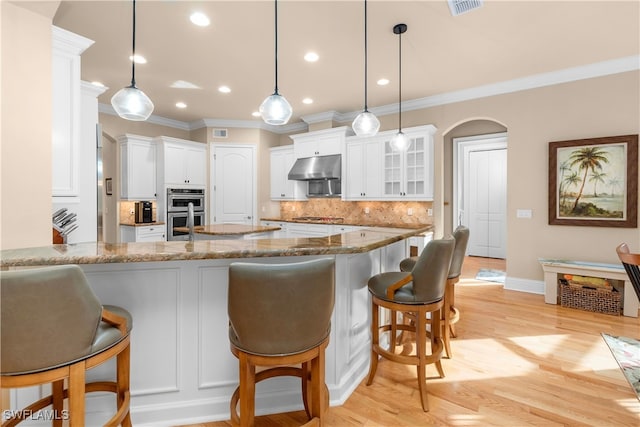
{"x": 57, "y": 392}
{"x": 76, "y": 394}
{"x": 448, "y": 296}
{"x": 247, "y": 391}
{"x": 375, "y": 341}
{"x": 421, "y": 353}
{"x": 436, "y": 336}
{"x": 306, "y": 392}
{"x": 318, "y": 388}
{"x": 123, "y": 380}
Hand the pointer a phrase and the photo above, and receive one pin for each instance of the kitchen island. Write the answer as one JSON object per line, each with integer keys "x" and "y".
{"x": 182, "y": 370}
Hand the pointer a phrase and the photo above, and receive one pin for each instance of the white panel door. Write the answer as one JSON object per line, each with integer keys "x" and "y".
{"x": 233, "y": 185}
{"x": 486, "y": 189}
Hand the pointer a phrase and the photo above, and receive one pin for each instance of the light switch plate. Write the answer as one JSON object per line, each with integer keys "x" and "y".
{"x": 524, "y": 213}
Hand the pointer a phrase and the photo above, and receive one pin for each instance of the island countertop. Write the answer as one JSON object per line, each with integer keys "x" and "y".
{"x": 103, "y": 253}
{"x": 227, "y": 229}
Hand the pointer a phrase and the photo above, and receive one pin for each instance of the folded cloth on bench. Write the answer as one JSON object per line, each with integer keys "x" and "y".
{"x": 593, "y": 282}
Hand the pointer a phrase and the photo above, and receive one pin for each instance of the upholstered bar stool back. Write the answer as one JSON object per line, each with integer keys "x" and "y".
{"x": 54, "y": 328}
{"x": 419, "y": 293}
{"x": 279, "y": 315}
{"x": 451, "y": 314}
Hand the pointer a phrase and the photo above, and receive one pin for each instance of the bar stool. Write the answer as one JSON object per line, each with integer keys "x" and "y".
{"x": 280, "y": 315}
{"x": 53, "y": 328}
{"x": 451, "y": 313}
{"x": 421, "y": 293}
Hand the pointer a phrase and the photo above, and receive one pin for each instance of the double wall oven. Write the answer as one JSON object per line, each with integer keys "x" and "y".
{"x": 177, "y": 210}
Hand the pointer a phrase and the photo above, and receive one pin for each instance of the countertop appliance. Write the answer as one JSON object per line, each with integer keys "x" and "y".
{"x": 178, "y": 200}
{"x": 143, "y": 212}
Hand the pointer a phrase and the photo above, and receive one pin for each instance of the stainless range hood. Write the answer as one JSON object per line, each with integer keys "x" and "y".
{"x": 319, "y": 167}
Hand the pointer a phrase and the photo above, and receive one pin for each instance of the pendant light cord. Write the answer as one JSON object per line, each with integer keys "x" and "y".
{"x": 133, "y": 57}
{"x": 365, "y": 56}
{"x": 276, "y": 41}
{"x": 400, "y": 82}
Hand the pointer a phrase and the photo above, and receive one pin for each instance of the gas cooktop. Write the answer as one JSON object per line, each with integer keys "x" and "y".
{"x": 318, "y": 219}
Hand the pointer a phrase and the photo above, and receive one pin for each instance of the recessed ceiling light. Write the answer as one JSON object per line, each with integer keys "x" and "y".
{"x": 181, "y": 84}
{"x": 181, "y": 105}
{"x": 200, "y": 19}
{"x": 383, "y": 82}
{"x": 138, "y": 59}
{"x": 311, "y": 57}
{"x": 224, "y": 89}
{"x": 256, "y": 114}
{"x": 307, "y": 101}
{"x": 99, "y": 84}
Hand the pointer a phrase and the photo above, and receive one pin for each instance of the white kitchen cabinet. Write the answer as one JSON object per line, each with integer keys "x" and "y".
{"x": 320, "y": 143}
{"x": 142, "y": 233}
{"x": 66, "y": 111}
{"x": 362, "y": 178}
{"x": 409, "y": 175}
{"x": 181, "y": 163}
{"x": 282, "y": 188}
{"x": 137, "y": 167}
{"x": 308, "y": 230}
{"x": 278, "y": 234}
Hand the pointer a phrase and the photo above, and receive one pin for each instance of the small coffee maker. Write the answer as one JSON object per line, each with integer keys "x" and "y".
{"x": 143, "y": 212}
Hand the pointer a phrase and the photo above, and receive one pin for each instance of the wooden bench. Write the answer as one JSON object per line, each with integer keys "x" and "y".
{"x": 553, "y": 267}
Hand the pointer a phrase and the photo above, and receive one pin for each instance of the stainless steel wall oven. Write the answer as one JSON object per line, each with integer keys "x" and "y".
{"x": 177, "y": 206}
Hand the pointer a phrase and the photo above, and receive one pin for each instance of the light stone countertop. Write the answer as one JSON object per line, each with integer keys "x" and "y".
{"x": 227, "y": 229}
{"x": 101, "y": 253}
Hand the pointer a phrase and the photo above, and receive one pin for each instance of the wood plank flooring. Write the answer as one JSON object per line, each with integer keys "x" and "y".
{"x": 516, "y": 362}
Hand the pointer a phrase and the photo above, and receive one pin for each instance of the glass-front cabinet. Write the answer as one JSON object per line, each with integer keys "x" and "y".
{"x": 374, "y": 171}
{"x": 409, "y": 174}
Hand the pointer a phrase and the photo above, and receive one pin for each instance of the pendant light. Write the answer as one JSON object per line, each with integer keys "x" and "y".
{"x": 130, "y": 102}
{"x": 400, "y": 142}
{"x": 366, "y": 123}
{"x": 275, "y": 110}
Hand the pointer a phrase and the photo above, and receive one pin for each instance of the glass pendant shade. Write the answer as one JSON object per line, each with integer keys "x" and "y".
{"x": 132, "y": 104}
{"x": 366, "y": 124}
{"x": 400, "y": 142}
{"x": 275, "y": 110}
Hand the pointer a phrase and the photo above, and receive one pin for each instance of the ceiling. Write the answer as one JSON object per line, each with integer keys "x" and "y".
{"x": 441, "y": 53}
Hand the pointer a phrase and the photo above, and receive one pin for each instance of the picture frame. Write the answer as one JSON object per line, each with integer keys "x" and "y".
{"x": 594, "y": 182}
{"x": 108, "y": 186}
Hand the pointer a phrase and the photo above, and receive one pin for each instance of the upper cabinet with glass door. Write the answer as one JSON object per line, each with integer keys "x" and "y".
{"x": 409, "y": 175}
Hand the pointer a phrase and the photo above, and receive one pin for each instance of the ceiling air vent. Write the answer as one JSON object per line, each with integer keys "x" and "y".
{"x": 219, "y": 133}
{"x": 458, "y": 7}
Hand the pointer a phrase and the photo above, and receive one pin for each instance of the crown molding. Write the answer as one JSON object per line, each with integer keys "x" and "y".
{"x": 68, "y": 42}
{"x": 92, "y": 89}
{"x": 156, "y": 120}
{"x": 247, "y": 124}
{"x": 598, "y": 69}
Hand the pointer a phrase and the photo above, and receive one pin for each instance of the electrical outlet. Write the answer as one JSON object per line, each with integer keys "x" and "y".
{"x": 366, "y": 210}
{"x": 429, "y": 212}
{"x": 293, "y": 208}
{"x": 410, "y": 211}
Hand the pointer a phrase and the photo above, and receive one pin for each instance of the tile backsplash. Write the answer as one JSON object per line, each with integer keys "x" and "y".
{"x": 355, "y": 212}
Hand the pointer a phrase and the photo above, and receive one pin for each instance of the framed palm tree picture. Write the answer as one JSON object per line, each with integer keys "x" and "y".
{"x": 594, "y": 182}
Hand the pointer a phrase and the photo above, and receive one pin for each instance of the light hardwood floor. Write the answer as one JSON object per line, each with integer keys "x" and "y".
{"x": 516, "y": 362}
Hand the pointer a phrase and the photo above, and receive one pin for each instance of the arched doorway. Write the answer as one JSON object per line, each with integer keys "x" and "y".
{"x": 475, "y": 139}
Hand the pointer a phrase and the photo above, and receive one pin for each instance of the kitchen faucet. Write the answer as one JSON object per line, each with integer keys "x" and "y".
{"x": 190, "y": 221}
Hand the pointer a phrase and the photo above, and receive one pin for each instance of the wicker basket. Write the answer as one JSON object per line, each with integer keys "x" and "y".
{"x": 597, "y": 300}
